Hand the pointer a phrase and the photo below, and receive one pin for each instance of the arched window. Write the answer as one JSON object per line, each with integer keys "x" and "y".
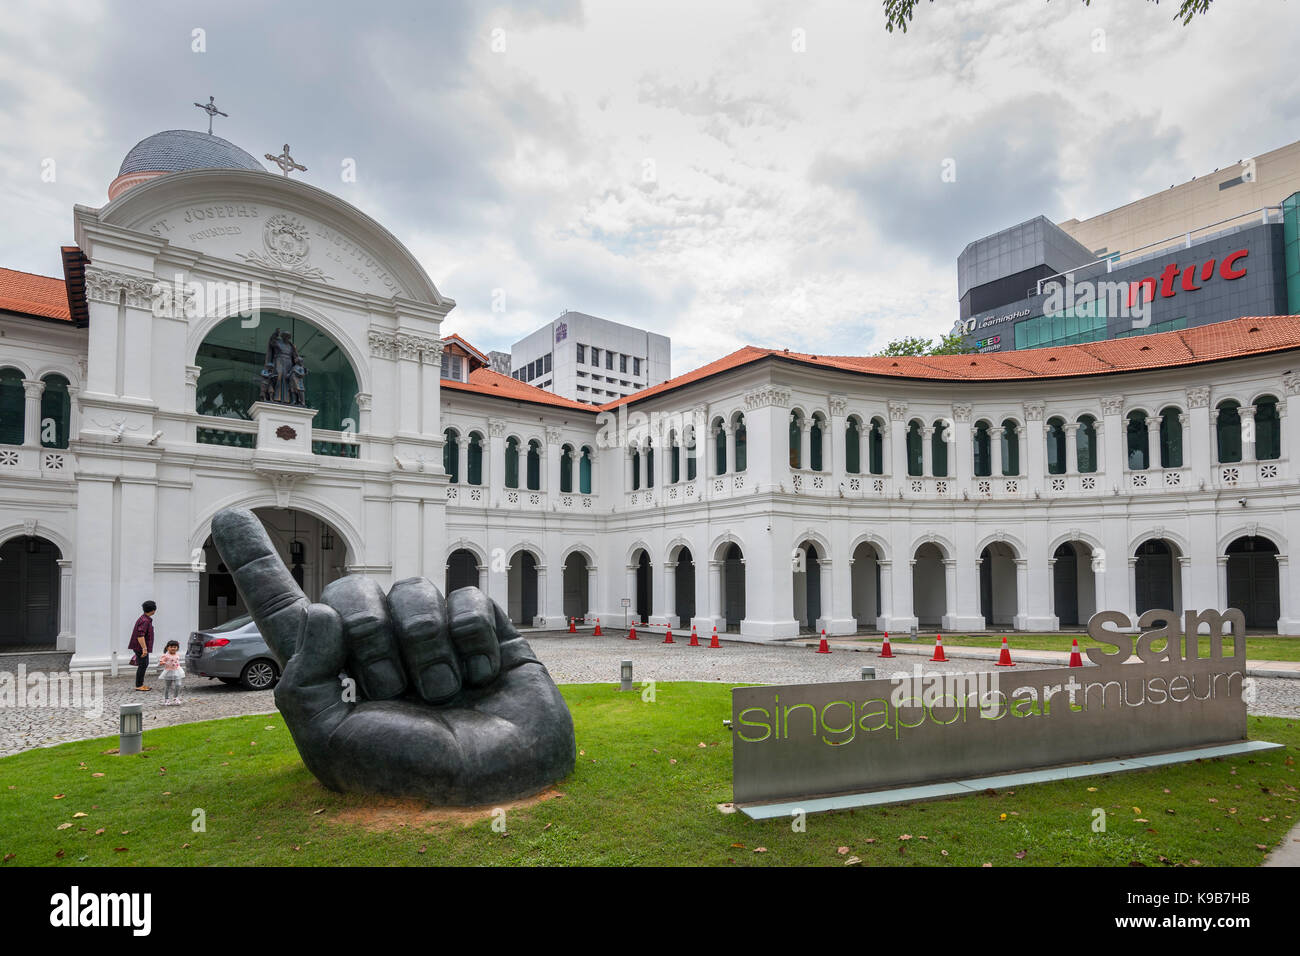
{"x": 853, "y": 446}
{"x": 876, "y": 447}
{"x": 512, "y": 462}
{"x": 636, "y": 469}
{"x": 451, "y": 455}
{"x": 915, "y": 457}
{"x": 815, "y": 444}
{"x": 13, "y": 406}
{"x": 720, "y": 448}
{"x": 584, "y": 471}
{"x": 674, "y": 458}
{"x": 1086, "y": 441}
{"x": 56, "y": 412}
{"x": 692, "y": 451}
{"x": 566, "y": 469}
{"x": 742, "y": 445}
{"x": 534, "y": 465}
{"x": 1139, "y": 451}
{"x": 939, "y": 448}
{"x": 1010, "y": 448}
{"x": 1228, "y": 428}
{"x": 795, "y": 421}
{"x": 1171, "y": 438}
{"x": 649, "y": 465}
{"x": 1056, "y": 446}
{"x": 983, "y": 451}
{"x": 474, "y": 459}
{"x": 1268, "y": 429}
{"x": 232, "y": 358}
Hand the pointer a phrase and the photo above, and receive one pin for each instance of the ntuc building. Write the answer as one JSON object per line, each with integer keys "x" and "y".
{"x": 1216, "y": 248}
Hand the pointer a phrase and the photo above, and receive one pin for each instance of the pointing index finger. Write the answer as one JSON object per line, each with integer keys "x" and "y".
{"x": 269, "y": 591}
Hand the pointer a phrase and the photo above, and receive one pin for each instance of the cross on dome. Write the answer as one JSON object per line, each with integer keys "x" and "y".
{"x": 211, "y": 109}
{"x": 285, "y": 161}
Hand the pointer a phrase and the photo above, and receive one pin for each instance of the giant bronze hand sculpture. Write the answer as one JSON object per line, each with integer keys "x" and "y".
{"x": 451, "y": 705}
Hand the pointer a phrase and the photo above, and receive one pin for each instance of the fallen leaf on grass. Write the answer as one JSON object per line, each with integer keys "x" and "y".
{"x": 78, "y": 815}
{"x": 119, "y": 849}
{"x": 58, "y": 796}
{"x": 99, "y": 831}
{"x": 63, "y": 826}
{"x": 93, "y": 775}
{"x": 852, "y": 860}
{"x": 1021, "y": 854}
{"x": 8, "y": 857}
{"x": 58, "y": 855}
{"x": 905, "y": 836}
{"x": 760, "y": 849}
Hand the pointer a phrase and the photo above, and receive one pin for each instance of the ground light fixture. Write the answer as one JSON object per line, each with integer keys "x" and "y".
{"x": 130, "y": 729}
{"x": 625, "y": 672}
{"x": 868, "y": 673}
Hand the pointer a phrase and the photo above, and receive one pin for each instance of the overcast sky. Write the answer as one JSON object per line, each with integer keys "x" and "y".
{"x": 725, "y": 173}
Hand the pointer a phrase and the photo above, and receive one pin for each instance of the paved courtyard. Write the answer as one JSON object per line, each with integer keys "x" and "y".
{"x": 570, "y": 658}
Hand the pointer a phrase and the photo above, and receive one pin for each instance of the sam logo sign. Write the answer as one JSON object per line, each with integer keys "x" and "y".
{"x": 76, "y": 909}
{"x": 805, "y": 740}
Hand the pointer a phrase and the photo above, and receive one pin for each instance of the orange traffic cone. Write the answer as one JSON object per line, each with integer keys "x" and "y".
{"x": 572, "y": 628}
{"x": 823, "y": 647}
{"x": 596, "y": 632}
{"x": 885, "y": 650}
{"x": 1004, "y": 659}
{"x": 938, "y": 650}
{"x": 695, "y": 641}
{"x": 631, "y": 634}
{"x": 668, "y": 638}
{"x": 714, "y": 641}
{"x": 1075, "y": 659}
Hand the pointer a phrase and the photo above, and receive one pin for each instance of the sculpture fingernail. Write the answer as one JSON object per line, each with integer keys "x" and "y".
{"x": 439, "y": 681}
{"x": 480, "y": 669}
{"x": 385, "y": 680}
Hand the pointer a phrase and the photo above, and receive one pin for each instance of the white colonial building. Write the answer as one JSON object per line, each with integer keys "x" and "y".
{"x": 958, "y": 492}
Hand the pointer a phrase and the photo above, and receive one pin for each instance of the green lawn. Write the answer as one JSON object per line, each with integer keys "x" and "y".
{"x": 644, "y": 792}
{"x": 1261, "y": 648}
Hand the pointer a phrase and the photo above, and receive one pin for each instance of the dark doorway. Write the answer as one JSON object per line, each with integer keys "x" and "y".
{"x": 575, "y": 586}
{"x": 809, "y": 581}
{"x": 1065, "y": 585}
{"x": 733, "y": 588}
{"x": 1253, "y": 581}
{"x": 29, "y": 592}
{"x": 462, "y": 570}
{"x": 1154, "y": 576}
{"x": 523, "y": 588}
{"x": 684, "y": 585}
{"x": 643, "y": 589}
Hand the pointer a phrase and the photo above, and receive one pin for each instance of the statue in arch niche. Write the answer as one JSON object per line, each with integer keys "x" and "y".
{"x": 283, "y": 376}
{"x": 404, "y": 694}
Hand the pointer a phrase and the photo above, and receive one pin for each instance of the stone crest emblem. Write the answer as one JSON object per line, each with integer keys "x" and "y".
{"x": 287, "y": 244}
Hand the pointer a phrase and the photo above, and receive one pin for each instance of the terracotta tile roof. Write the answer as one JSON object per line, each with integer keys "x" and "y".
{"x": 28, "y": 294}
{"x": 459, "y": 340}
{"x": 1235, "y": 338}
{"x": 484, "y": 381}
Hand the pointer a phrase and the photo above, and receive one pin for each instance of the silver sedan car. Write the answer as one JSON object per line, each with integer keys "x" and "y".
{"x": 233, "y": 653}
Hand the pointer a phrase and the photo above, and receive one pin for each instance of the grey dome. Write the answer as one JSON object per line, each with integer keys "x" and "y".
{"x": 175, "y": 150}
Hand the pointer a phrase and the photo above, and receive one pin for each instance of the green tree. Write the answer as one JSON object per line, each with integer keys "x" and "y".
{"x": 950, "y": 344}
{"x": 898, "y": 13}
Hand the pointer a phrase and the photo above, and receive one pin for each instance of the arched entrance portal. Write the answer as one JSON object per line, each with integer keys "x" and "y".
{"x": 1155, "y": 583}
{"x": 1073, "y": 584}
{"x": 929, "y": 586}
{"x": 522, "y": 583}
{"x": 733, "y": 587}
{"x": 865, "y": 575}
{"x": 575, "y": 586}
{"x": 462, "y": 570}
{"x": 998, "y": 585}
{"x": 312, "y": 550}
{"x": 807, "y": 586}
{"x": 684, "y": 587}
{"x": 29, "y": 592}
{"x": 1253, "y": 581}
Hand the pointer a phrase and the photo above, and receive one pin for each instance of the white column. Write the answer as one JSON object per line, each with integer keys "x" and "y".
{"x": 1185, "y": 585}
{"x": 1022, "y": 593}
{"x": 1153, "y": 443}
{"x": 731, "y": 448}
{"x": 950, "y": 592}
{"x": 1247, "y": 413}
{"x": 593, "y": 603}
{"x": 995, "y": 446}
{"x": 541, "y": 596}
{"x": 886, "y": 595}
{"x": 66, "y": 640}
{"x": 1071, "y": 448}
{"x": 1185, "y": 424}
{"x": 645, "y": 466}
{"x": 462, "y": 458}
{"x": 839, "y": 426}
{"x": 927, "y": 451}
{"x": 827, "y": 619}
{"x": 669, "y": 592}
{"x": 714, "y": 599}
{"x": 805, "y": 443}
{"x": 32, "y": 391}
{"x": 496, "y": 459}
{"x": 630, "y": 593}
{"x": 552, "y": 463}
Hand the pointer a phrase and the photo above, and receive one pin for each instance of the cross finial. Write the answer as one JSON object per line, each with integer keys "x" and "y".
{"x": 211, "y": 109}
{"x": 285, "y": 161}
